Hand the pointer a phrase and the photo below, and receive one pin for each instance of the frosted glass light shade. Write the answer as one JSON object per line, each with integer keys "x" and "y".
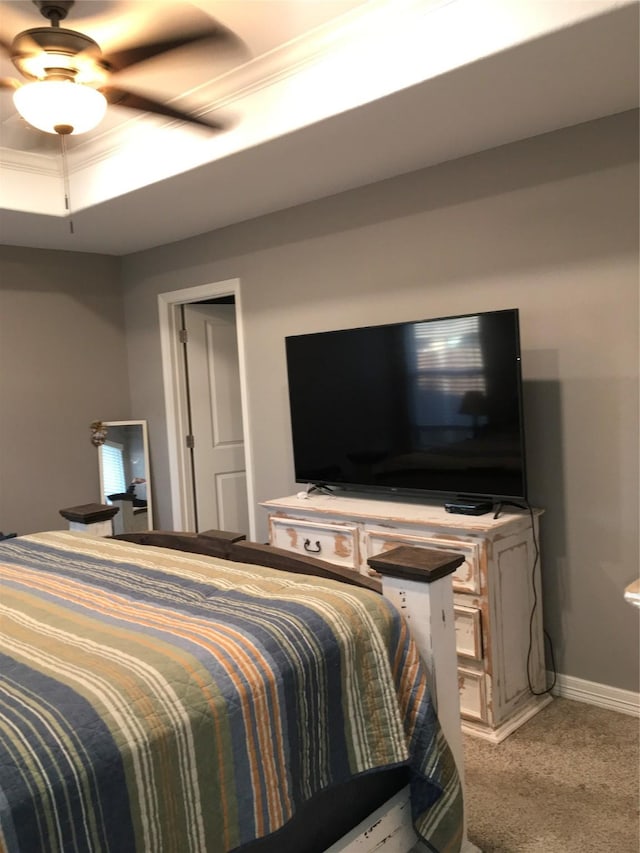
{"x": 47, "y": 104}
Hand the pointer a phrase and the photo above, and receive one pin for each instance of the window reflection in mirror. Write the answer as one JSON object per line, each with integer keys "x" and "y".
{"x": 124, "y": 475}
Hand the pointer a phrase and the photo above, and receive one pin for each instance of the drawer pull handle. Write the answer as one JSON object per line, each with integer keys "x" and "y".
{"x": 309, "y": 549}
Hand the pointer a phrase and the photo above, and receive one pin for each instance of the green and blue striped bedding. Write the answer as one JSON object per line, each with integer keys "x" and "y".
{"x": 159, "y": 702}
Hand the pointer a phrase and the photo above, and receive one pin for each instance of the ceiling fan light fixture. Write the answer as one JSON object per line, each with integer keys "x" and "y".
{"x": 50, "y": 104}
{"x": 80, "y": 67}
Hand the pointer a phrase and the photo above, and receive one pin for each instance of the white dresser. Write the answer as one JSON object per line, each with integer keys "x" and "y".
{"x": 500, "y": 646}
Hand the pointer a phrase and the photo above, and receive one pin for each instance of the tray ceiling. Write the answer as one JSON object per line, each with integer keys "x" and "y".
{"x": 331, "y": 94}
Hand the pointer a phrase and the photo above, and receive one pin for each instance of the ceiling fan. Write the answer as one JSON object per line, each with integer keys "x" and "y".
{"x": 69, "y": 81}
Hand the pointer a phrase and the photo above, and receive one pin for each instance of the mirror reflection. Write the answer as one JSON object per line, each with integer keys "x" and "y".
{"x": 123, "y": 456}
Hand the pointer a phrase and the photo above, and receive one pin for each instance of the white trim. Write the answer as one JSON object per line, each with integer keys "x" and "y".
{"x": 602, "y": 695}
{"x": 178, "y": 469}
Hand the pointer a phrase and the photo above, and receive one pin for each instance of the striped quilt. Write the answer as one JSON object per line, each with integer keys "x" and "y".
{"x": 159, "y": 702}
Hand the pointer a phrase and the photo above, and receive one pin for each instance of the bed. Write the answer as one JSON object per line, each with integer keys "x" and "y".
{"x": 157, "y": 700}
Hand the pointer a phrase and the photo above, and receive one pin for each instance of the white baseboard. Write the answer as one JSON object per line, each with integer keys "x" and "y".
{"x": 602, "y": 695}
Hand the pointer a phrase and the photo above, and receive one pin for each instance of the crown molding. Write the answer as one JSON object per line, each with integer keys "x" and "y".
{"x": 313, "y": 48}
{"x": 29, "y": 162}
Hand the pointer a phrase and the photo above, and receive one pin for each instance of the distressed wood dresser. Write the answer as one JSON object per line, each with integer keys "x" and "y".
{"x": 497, "y": 594}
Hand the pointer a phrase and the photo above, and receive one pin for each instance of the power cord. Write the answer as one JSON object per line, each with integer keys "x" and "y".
{"x": 532, "y": 616}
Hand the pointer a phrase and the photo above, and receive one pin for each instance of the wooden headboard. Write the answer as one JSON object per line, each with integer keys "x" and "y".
{"x": 216, "y": 544}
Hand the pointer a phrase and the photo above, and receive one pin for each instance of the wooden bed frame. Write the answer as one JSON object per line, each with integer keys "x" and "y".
{"x": 418, "y": 582}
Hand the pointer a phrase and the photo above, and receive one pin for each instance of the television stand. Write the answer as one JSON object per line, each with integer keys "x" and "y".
{"x": 500, "y": 504}
{"x": 497, "y": 595}
{"x": 320, "y": 488}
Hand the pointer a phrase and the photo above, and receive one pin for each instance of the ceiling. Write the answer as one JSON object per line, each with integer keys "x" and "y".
{"x": 326, "y": 95}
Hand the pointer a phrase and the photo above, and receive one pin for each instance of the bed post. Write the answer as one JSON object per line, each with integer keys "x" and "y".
{"x": 91, "y": 518}
{"x": 418, "y": 582}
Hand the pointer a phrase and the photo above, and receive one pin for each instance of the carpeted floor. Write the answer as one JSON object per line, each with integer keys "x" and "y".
{"x": 568, "y": 781}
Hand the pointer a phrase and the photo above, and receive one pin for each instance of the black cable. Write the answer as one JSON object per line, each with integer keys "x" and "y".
{"x": 532, "y": 616}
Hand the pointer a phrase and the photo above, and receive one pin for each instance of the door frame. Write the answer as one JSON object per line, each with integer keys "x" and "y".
{"x": 175, "y": 397}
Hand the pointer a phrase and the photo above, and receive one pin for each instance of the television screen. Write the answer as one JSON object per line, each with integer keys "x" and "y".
{"x": 432, "y": 407}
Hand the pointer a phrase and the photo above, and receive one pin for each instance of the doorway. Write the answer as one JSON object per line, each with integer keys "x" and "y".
{"x": 215, "y": 431}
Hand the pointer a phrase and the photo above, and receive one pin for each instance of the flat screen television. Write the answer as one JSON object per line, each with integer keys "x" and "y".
{"x": 428, "y": 408}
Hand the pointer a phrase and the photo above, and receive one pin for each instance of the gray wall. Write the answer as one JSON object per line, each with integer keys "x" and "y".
{"x": 63, "y": 364}
{"x": 548, "y": 225}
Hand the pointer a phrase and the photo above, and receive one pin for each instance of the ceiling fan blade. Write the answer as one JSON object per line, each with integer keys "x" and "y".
{"x": 28, "y": 44}
{"x": 221, "y": 37}
{"x": 14, "y": 17}
{"x": 9, "y": 83}
{"x": 123, "y": 98}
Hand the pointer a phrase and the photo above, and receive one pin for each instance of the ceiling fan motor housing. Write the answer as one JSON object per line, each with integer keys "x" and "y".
{"x": 54, "y": 45}
{"x": 55, "y": 11}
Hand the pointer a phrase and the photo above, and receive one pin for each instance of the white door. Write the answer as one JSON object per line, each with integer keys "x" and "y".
{"x": 220, "y": 483}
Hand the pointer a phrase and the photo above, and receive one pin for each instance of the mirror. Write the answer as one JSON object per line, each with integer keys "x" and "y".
{"x": 123, "y": 461}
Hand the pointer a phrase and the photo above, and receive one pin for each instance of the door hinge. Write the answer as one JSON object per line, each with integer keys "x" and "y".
{"x": 191, "y": 442}
{"x": 183, "y": 335}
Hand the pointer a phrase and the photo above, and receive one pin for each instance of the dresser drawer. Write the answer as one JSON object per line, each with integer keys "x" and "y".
{"x": 335, "y": 543}
{"x": 466, "y": 577}
{"x": 468, "y": 631}
{"x": 473, "y": 700}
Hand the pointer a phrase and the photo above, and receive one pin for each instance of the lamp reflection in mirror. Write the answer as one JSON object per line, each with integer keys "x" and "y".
{"x": 123, "y": 455}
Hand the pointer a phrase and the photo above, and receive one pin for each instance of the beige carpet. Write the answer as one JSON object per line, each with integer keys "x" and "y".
{"x": 568, "y": 781}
